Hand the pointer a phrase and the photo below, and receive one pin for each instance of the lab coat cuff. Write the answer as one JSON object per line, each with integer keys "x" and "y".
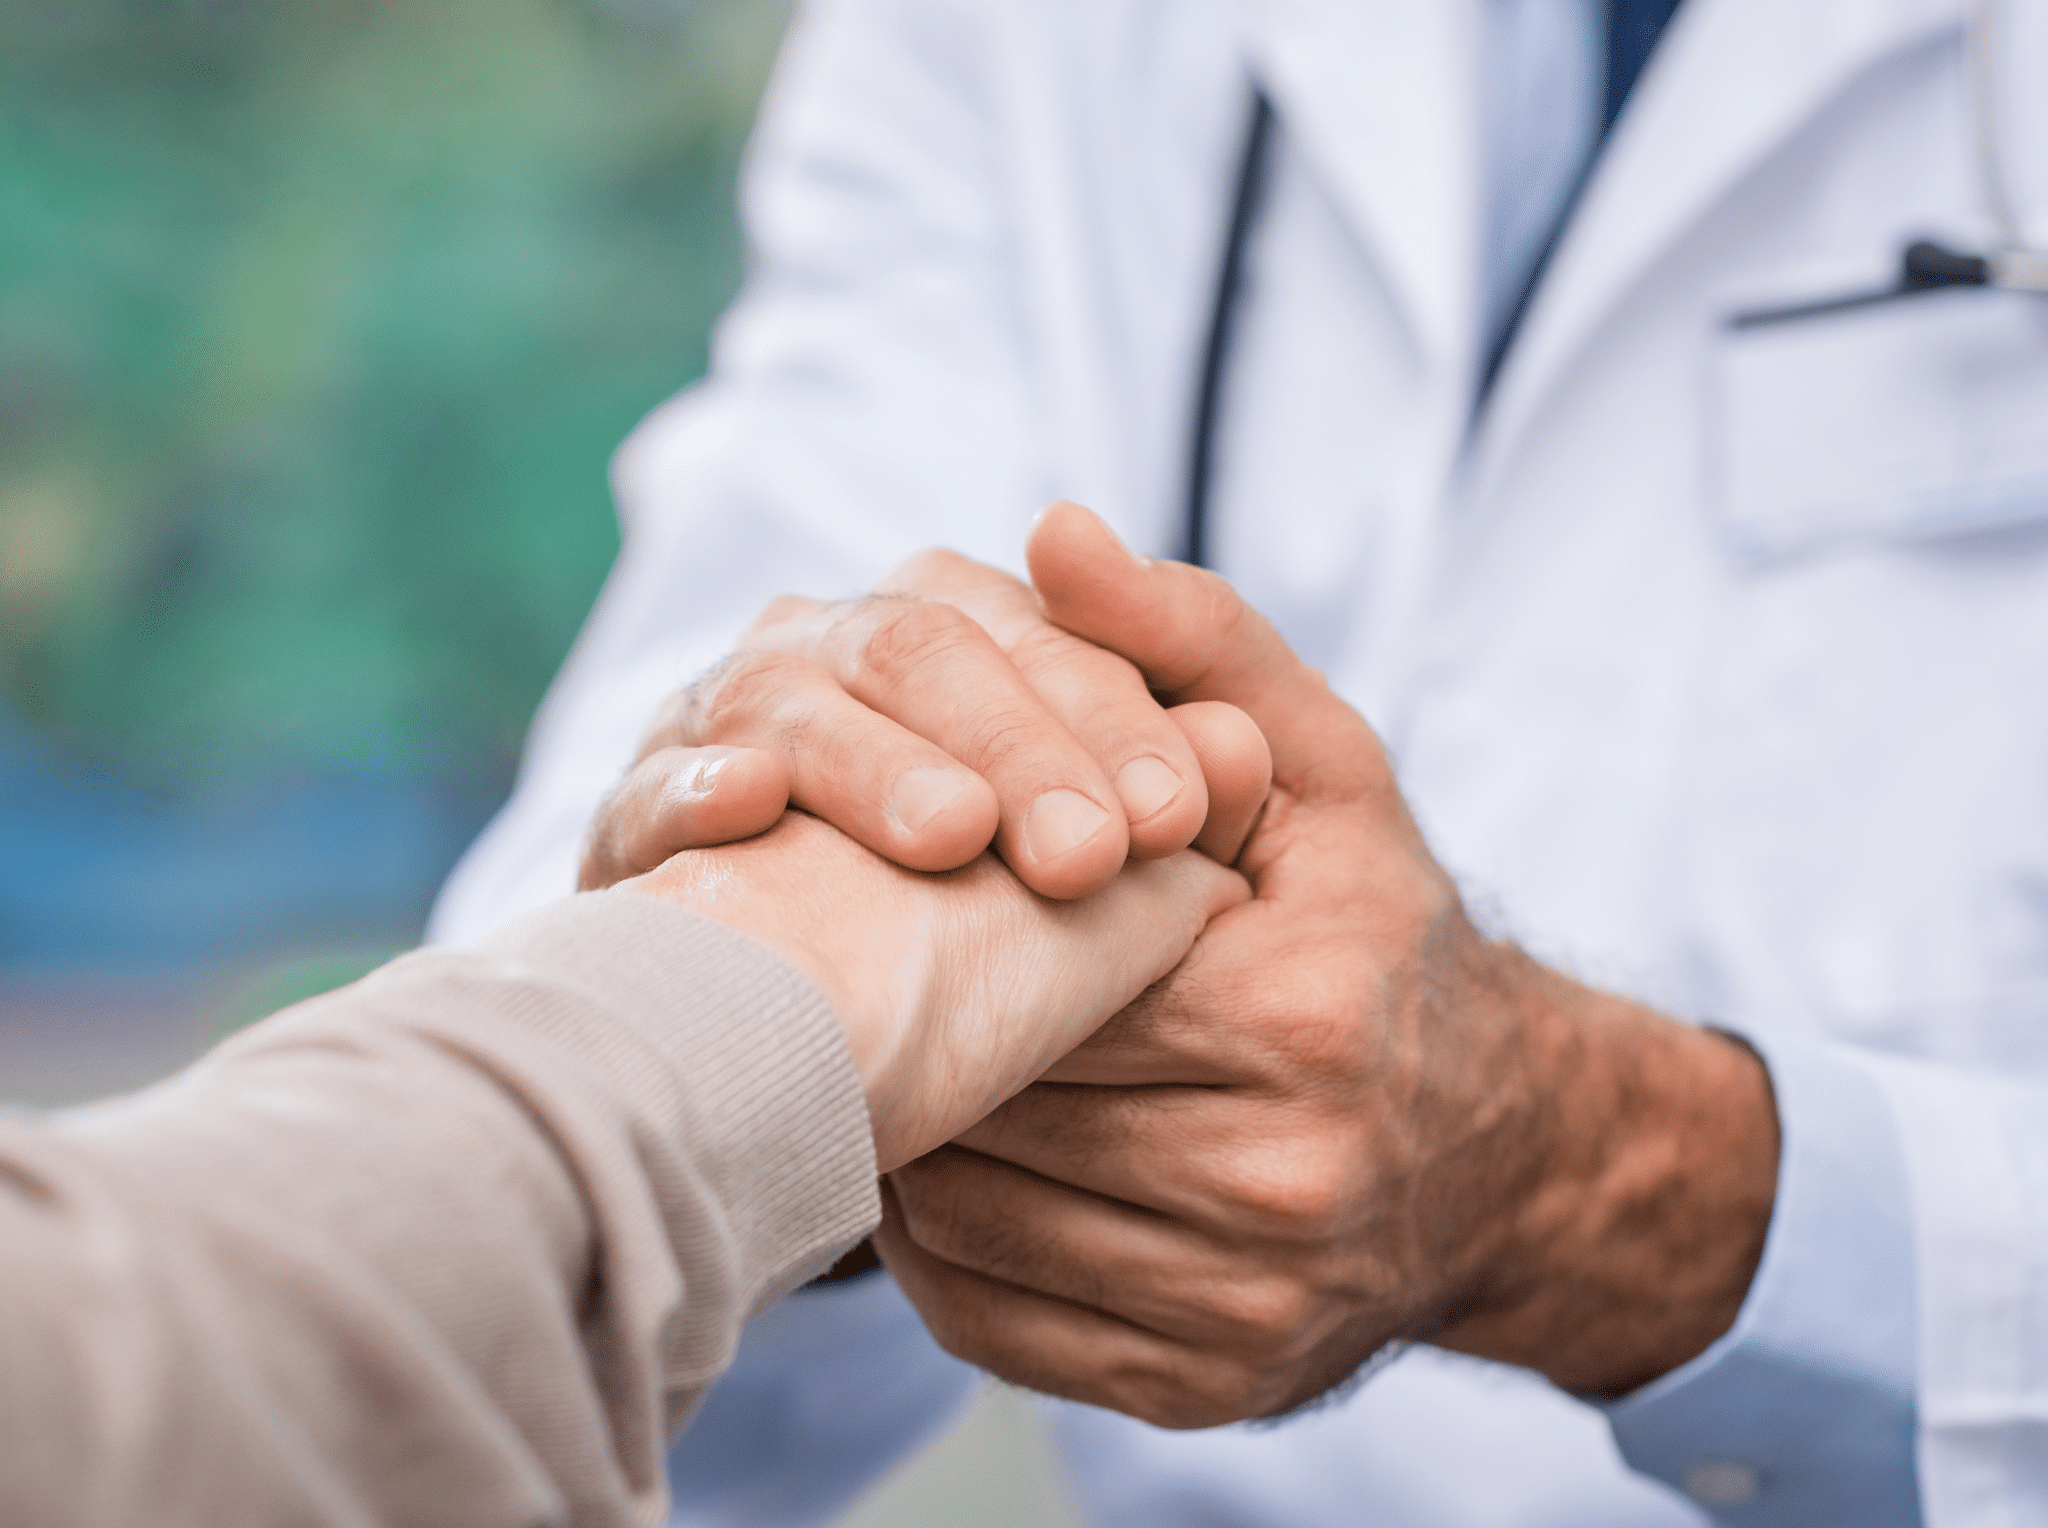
{"x": 1804, "y": 1412}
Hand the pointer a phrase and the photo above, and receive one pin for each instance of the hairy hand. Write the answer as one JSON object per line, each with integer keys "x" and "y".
{"x": 927, "y": 721}
{"x": 1345, "y": 1119}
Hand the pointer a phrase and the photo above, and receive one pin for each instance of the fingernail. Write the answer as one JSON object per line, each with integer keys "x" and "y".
{"x": 699, "y": 780}
{"x": 1145, "y": 785}
{"x": 921, "y": 794}
{"x": 1060, "y": 821}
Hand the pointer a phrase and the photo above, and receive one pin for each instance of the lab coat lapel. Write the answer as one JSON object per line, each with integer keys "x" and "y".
{"x": 1755, "y": 70}
{"x": 1379, "y": 98}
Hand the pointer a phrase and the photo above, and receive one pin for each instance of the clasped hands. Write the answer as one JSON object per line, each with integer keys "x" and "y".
{"x": 1186, "y": 1142}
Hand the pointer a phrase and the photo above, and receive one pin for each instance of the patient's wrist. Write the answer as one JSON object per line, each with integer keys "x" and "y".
{"x": 783, "y": 889}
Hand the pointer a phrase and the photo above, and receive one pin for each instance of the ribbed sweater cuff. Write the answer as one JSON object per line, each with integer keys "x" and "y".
{"x": 755, "y": 1096}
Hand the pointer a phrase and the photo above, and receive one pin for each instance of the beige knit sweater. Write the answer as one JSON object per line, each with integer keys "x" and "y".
{"x": 461, "y": 1244}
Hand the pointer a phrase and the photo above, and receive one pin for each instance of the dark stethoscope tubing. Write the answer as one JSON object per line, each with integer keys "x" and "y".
{"x": 1244, "y": 213}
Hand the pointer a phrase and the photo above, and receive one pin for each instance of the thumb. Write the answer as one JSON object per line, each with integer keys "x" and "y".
{"x": 1195, "y": 638}
{"x": 681, "y": 798}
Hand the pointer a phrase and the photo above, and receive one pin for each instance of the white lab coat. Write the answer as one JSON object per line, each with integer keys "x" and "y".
{"x": 1715, "y": 663}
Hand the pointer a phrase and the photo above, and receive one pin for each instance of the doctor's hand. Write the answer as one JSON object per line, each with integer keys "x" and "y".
{"x": 927, "y": 720}
{"x": 954, "y": 990}
{"x": 1346, "y": 1119}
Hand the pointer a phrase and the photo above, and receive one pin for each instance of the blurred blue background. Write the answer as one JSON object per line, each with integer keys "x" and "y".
{"x": 318, "y": 324}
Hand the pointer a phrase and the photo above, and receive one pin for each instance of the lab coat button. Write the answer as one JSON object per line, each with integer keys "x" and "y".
{"x": 1721, "y": 1482}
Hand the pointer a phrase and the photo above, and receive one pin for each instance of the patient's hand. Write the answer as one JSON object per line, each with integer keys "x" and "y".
{"x": 955, "y": 990}
{"x": 927, "y": 720}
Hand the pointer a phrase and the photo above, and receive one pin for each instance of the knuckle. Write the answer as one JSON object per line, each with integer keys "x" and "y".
{"x": 936, "y": 567}
{"x": 1318, "y": 1039}
{"x": 1043, "y": 648}
{"x": 1303, "y": 1202}
{"x": 904, "y": 635}
{"x": 1297, "y": 1191}
{"x": 1134, "y": 1378}
{"x": 783, "y": 609}
{"x": 1272, "y": 1313}
{"x": 732, "y": 700}
{"x": 1002, "y": 740}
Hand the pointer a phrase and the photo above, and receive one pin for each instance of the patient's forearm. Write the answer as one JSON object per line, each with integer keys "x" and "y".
{"x": 461, "y": 1244}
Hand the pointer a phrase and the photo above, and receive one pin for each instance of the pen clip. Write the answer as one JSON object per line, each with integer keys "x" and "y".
{"x": 1924, "y": 266}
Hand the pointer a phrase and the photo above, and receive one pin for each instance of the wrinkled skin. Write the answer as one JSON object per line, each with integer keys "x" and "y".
{"x": 1347, "y": 1118}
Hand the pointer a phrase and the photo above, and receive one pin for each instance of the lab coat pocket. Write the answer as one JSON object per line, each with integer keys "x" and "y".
{"x": 1921, "y": 417}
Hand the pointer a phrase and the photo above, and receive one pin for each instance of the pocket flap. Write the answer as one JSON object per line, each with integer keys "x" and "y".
{"x": 1923, "y": 416}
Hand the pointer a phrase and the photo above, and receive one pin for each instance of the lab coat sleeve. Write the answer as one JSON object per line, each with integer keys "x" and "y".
{"x": 1976, "y": 1150}
{"x": 833, "y": 437}
{"x": 1898, "y": 1325}
{"x": 1804, "y": 1411}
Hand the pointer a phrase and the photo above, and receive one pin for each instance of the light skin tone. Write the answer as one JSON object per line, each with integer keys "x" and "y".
{"x": 954, "y": 990}
{"x": 925, "y": 722}
{"x": 1347, "y": 1118}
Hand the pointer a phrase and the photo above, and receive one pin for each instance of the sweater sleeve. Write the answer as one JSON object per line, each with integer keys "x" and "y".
{"x": 461, "y": 1244}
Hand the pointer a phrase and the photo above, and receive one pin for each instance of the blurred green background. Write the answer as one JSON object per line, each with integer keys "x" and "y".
{"x": 319, "y": 321}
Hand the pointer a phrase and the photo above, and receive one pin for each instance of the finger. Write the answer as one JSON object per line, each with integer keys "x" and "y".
{"x": 1100, "y": 698}
{"x": 876, "y": 781}
{"x": 682, "y": 798}
{"x": 1195, "y": 1155}
{"x": 933, "y": 670}
{"x": 1241, "y": 1003}
{"x": 985, "y": 1215}
{"x": 1238, "y": 767}
{"x": 1057, "y": 1347}
{"x": 1195, "y": 639}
